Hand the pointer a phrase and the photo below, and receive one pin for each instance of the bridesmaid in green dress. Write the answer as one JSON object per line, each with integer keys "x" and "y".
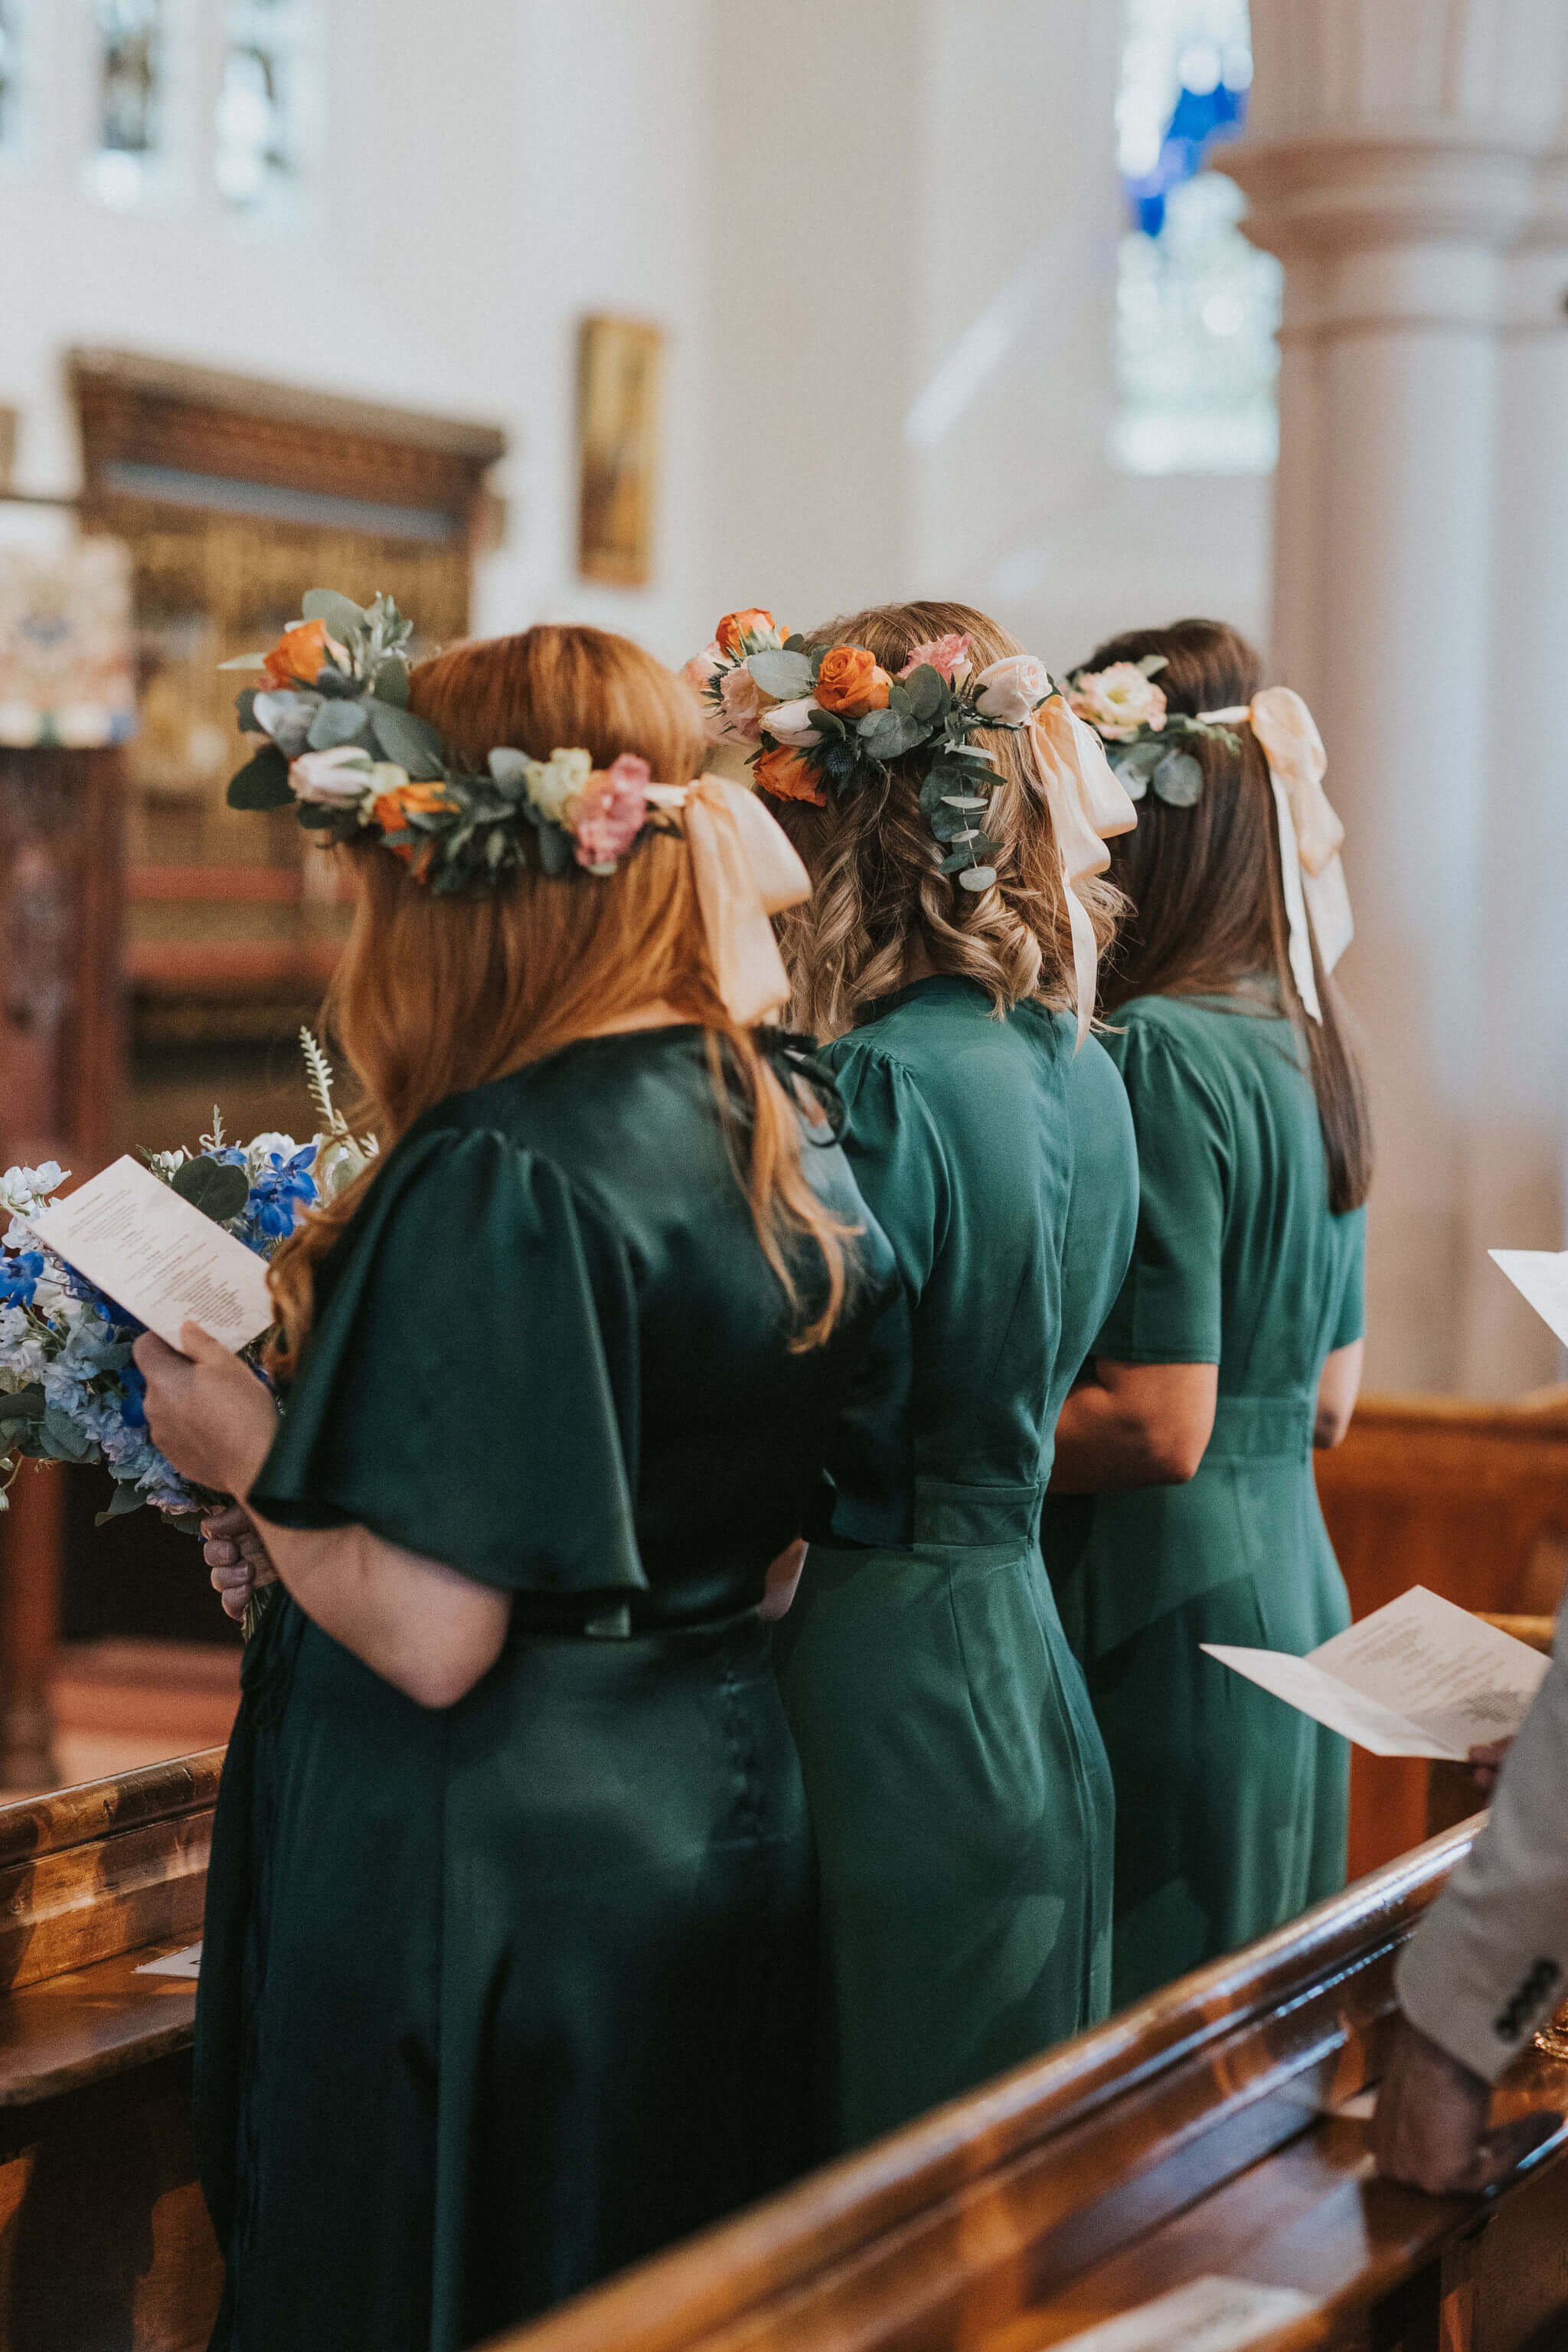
{"x": 511, "y": 1930}
{"x": 1182, "y": 1508}
{"x": 957, "y": 1784}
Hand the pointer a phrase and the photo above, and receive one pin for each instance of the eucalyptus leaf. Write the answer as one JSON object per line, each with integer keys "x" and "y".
{"x": 413, "y": 742}
{"x": 127, "y": 1496}
{"x": 962, "y": 800}
{"x": 554, "y": 849}
{"x": 508, "y": 768}
{"x": 925, "y": 690}
{"x": 977, "y": 877}
{"x": 786, "y": 675}
{"x": 336, "y": 683}
{"x": 244, "y": 711}
{"x": 244, "y": 661}
{"x": 887, "y": 734}
{"x": 344, "y": 619}
{"x": 1134, "y": 763}
{"x": 1152, "y": 663}
{"x": 286, "y": 714}
{"x": 337, "y": 723}
{"x": 390, "y": 683}
{"x": 316, "y": 817}
{"x": 22, "y": 1404}
{"x": 65, "y": 1441}
{"x": 262, "y": 782}
{"x": 1178, "y": 780}
{"x": 216, "y": 1187}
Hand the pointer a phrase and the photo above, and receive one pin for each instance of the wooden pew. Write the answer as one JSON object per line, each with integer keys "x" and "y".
{"x": 1469, "y": 1499}
{"x": 104, "y": 2240}
{"x": 1217, "y": 2129}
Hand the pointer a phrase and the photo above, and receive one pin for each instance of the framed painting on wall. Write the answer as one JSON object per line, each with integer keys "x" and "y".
{"x": 618, "y": 365}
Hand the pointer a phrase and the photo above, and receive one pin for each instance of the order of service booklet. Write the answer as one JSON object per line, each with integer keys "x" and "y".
{"x": 158, "y": 1257}
{"x": 1419, "y": 1677}
{"x": 1543, "y": 1278}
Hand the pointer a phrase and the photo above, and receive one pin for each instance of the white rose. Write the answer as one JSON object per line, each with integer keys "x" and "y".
{"x": 335, "y": 779}
{"x": 743, "y": 704}
{"x": 794, "y": 723}
{"x": 259, "y": 1149}
{"x": 1011, "y": 691}
{"x": 554, "y": 783}
{"x": 1119, "y": 701}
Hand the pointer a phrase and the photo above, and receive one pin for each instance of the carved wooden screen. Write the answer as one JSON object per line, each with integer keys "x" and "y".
{"x": 235, "y": 496}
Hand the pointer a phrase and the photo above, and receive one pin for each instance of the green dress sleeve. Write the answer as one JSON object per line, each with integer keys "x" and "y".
{"x": 469, "y": 1389}
{"x": 1349, "y": 1325}
{"x": 1169, "y": 1309}
{"x": 892, "y": 1144}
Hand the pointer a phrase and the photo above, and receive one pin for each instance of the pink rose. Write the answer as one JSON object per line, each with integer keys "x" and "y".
{"x": 703, "y": 669}
{"x": 949, "y": 656}
{"x": 743, "y": 703}
{"x": 611, "y": 812}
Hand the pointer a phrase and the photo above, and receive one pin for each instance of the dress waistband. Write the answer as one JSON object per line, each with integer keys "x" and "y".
{"x": 1253, "y": 1428}
{"x": 978, "y": 1517}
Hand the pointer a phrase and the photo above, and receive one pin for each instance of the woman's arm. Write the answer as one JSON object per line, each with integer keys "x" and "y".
{"x": 426, "y": 1628}
{"x": 1134, "y": 1425}
{"x": 1337, "y": 1392}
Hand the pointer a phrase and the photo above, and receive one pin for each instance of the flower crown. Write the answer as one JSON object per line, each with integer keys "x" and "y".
{"x": 344, "y": 747}
{"x": 827, "y": 720}
{"x": 1145, "y": 741}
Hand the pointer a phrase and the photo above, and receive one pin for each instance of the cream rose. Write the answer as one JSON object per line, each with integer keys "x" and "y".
{"x": 554, "y": 783}
{"x": 1012, "y": 690}
{"x": 1119, "y": 701}
{"x": 794, "y": 723}
{"x": 335, "y": 779}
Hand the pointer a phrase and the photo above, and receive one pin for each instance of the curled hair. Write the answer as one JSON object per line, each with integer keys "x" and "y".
{"x": 878, "y": 894}
{"x": 1207, "y": 892}
{"x": 436, "y": 995}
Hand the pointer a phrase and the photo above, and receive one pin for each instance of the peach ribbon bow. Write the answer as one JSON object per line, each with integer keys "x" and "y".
{"x": 1317, "y": 899}
{"x": 746, "y": 870}
{"x": 1089, "y": 807}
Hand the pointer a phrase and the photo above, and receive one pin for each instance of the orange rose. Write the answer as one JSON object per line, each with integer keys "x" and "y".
{"x": 735, "y": 627}
{"x": 300, "y": 654}
{"x": 789, "y": 777}
{"x": 850, "y": 683}
{"x": 390, "y": 814}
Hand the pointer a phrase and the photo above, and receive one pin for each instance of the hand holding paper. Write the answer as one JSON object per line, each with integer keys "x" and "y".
{"x": 158, "y": 1257}
{"x": 1419, "y": 1678}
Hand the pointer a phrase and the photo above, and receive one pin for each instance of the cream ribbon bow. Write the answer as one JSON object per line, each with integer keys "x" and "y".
{"x": 1316, "y": 900}
{"x": 745, "y": 869}
{"x": 1089, "y": 807}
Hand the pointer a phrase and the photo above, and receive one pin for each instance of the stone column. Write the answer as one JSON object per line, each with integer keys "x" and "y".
{"x": 1392, "y": 163}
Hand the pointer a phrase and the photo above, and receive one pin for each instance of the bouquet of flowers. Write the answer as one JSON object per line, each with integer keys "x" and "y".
{"x": 68, "y": 1389}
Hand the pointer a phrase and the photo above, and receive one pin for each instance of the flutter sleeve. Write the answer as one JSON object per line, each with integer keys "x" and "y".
{"x": 470, "y": 1388}
{"x": 1169, "y": 1309}
{"x": 893, "y": 1146}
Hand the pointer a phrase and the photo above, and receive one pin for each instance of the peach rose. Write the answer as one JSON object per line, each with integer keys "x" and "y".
{"x": 703, "y": 668}
{"x": 789, "y": 777}
{"x": 851, "y": 682}
{"x": 742, "y": 704}
{"x": 391, "y": 812}
{"x": 1118, "y": 701}
{"x": 301, "y": 654}
{"x": 612, "y": 812}
{"x": 736, "y": 627}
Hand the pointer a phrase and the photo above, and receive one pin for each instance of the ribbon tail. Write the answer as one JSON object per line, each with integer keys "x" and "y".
{"x": 1085, "y": 958}
{"x": 1329, "y": 905}
{"x": 1296, "y": 904}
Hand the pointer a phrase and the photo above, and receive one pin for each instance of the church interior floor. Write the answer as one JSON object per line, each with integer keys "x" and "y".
{"x": 119, "y": 1704}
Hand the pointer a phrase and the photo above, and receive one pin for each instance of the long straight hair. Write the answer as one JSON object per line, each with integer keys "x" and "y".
{"x": 434, "y": 996}
{"x": 876, "y": 870}
{"x": 1207, "y": 892}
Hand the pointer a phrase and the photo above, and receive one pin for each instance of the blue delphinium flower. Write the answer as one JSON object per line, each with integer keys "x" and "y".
{"x": 19, "y": 1277}
{"x": 281, "y": 1189}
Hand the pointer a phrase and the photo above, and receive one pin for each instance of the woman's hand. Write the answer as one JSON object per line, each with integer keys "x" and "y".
{"x": 783, "y": 1577}
{"x": 239, "y": 1560}
{"x": 1430, "y": 2127}
{"x": 1487, "y": 1761}
{"x": 209, "y": 1415}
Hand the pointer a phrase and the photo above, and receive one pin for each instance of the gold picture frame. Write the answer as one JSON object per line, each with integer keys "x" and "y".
{"x": 619, "y": 365}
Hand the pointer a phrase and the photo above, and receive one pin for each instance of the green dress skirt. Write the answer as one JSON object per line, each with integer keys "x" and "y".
{"x": 1230, "y": 1807}
{"x": 499, "y": 1998}
{"x": 957, "y": 1782}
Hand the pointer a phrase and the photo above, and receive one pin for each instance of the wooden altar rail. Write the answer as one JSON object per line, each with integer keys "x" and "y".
{"x": 1209, "y": 2130}
{"x": 104, "y": 2240}
{"x": 1471, "y": 1500}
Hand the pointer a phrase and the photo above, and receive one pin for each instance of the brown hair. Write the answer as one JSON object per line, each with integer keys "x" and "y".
{"x": 436, "y": 995}
{"x": 877, "y": 873}
{"x": 1206, "y": 890}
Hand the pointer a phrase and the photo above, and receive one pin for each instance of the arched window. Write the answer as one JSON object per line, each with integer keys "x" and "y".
{"x": 133, "y": 96}
{"x": 1197, "y": 306}
{"x": 263, "y": 98}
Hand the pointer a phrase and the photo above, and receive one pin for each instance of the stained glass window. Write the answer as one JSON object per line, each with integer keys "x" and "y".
{"x": 1197, "y": 306}
{"x": 261, "y": 102}
{"x": 131, "y": 96}
{"x": 10, "y": 73}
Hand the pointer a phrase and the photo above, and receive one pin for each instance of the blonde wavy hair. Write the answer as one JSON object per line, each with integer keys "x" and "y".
{"x": 877, "y": 890}
{"x": 434, "y": 996}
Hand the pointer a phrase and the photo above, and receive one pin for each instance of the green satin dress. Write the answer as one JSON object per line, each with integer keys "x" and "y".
{"x": 957, "y": 1783}
{"x": 498, "y": 1999}
{"x": 1230, "y": 1807}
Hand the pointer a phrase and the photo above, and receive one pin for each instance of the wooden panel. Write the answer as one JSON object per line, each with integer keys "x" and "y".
{"x": 1471, "y": 1500}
